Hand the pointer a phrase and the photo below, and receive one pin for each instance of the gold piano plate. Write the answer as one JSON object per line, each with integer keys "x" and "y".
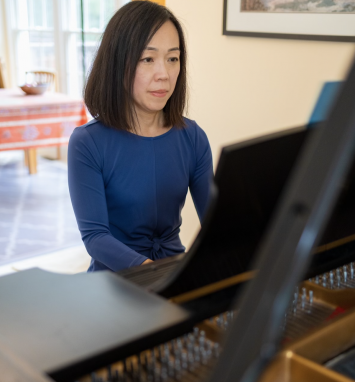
{"x": 290, "y": 367}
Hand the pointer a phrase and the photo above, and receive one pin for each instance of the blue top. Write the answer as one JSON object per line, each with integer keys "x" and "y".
{"x": 128, "y": 191}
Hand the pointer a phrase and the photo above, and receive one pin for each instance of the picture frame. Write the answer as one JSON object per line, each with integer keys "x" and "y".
{"x": 287, "y": 25}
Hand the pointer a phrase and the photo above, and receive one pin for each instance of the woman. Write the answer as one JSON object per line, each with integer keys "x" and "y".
{"x": 131, "y": 167}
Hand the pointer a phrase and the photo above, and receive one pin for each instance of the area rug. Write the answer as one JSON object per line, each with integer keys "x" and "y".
{"x": 36, "y": 215}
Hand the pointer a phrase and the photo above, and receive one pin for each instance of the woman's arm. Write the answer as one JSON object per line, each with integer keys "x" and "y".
{"x": 200, "y": 180}
{"x": 87, "y": 192}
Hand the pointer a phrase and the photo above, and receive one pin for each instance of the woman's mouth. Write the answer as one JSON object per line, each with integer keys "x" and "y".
{"x": 159, "y": 93}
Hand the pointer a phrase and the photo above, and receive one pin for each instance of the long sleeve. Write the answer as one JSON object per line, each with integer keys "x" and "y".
{"x": 200, "y": 180}
{"x": 87, "y": 192}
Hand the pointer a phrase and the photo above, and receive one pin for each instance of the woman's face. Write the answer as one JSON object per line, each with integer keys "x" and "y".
{"x": 157, "y": 70}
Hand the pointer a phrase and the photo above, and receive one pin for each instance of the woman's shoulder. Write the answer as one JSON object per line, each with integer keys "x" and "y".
{"x": 94, "y": 131}
{"x": 191, "y": 125}
{"x": 195, "y": 132}
{"x": 92, "y": 127}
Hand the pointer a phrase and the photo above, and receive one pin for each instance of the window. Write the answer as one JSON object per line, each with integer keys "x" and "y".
{"x": 48, "y": 35}
{"x": 80, "y": 46}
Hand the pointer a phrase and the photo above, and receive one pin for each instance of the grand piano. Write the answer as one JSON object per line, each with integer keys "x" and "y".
{"x": 266, "y": 292}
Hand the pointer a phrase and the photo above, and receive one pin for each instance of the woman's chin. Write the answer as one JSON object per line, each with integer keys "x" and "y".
{"x": 155, "y": 108}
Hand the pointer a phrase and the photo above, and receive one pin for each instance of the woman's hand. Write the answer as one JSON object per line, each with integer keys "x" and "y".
{"x": 147, "y": 261}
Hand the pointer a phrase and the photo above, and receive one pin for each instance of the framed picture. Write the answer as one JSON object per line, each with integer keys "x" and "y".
{"x": 322, "y": 20}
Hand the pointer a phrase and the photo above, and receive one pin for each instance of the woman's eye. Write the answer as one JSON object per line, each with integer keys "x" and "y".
{"x": 147, "y": 59}
{"x": 174, "y": 59}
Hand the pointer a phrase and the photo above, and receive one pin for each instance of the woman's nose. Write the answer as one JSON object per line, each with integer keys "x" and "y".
{"x": 161, "y": 72}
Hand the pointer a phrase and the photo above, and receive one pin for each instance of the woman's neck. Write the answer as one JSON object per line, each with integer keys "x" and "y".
{"x": 151, "y": 124}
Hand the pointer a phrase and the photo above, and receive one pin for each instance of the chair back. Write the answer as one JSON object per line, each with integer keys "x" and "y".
{"x": 2, "y": 82}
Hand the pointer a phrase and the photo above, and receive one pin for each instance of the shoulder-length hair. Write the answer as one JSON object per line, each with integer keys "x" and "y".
{"x": 108, "y": 93}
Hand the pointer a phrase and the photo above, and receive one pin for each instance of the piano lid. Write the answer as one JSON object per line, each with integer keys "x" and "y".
{"x": 71, "y": 324}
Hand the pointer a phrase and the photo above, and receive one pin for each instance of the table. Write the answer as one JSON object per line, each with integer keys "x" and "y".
{"x": 31, "y": 121}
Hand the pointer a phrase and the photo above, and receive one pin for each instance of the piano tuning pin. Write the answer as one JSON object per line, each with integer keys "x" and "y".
{"x": 180, "y": 345}
{"x": 196, "y": 331}
{"x": 171, "y": 369}
{"x": 156, "y": 373}
{"x": 191, "y": 362}
{"x": 164, "y": 374}
{"x": 209, "y": 353}
{"x": 311, "y": 296}
{"x": 197, "y": 353}
{"x": 317, "y": 280}
{"x": 190, "y": 347}
{"x": 178, "y": 373}
{"x": 177, "y": 352}
{"x": 184, "y": 339}
{"x": 184, "y": 363}
{"x": 204, "y": 357}
{"x": 191, "y": 338}
{"x": 294, "y": 306}
{"x": 303, "y": 302}
{"x": 177, "y": 364}
{"x": 216, "y": 350}
{"x": 324, "y": 279}
{"x": 202, "y": 338}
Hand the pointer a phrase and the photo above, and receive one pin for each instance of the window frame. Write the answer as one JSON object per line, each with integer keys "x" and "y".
{"x": 61, "y": 36}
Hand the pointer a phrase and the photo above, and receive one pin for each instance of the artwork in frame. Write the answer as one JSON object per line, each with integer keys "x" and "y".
{"x": 322, "y": 20}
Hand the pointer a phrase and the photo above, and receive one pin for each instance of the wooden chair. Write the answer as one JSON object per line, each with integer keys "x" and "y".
{"x": 2, "y": 82}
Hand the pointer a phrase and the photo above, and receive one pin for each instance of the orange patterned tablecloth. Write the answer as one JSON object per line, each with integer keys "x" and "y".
{"x": 39, "y": 120}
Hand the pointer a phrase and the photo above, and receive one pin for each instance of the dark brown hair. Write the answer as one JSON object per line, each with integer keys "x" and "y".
{"x": 108, "y": 93}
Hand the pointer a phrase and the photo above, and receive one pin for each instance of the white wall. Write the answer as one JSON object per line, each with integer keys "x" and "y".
{"x": 244, "y": 87}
